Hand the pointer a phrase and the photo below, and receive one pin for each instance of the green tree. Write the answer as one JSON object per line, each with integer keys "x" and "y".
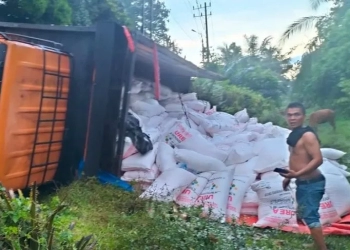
{"x": 305, "y": 23}
{"x": 80, "y": 15}
{"x": 231, "y": 98}
{"x": 107, "y": 10}
{"x": 57, "y": 12}
{"x": 36, "y": 11}
{"x": 155, "y": 21}
{"x": 230, "y": 53}
{"x": 324, "y": 76}
{"x": 261, "y": 67}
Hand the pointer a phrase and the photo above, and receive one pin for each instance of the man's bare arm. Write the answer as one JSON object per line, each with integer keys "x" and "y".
{"x": 312, "y": 147}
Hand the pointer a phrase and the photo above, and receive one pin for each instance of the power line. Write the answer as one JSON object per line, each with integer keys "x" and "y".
{"x": 206, "y": 26}
{"x": 199, "y": 13}
{"x": 181, "y": 27}
{"x": 212, "y": 27}
{"x": 190, "y": 6}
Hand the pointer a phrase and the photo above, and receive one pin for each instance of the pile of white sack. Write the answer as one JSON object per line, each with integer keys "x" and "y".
{"x": 222, "y": 162}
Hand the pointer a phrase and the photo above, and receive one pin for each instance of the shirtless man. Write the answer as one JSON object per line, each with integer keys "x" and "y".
{"x": 305, "y": 158}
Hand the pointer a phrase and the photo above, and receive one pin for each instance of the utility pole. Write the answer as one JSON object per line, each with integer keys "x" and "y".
{"x": 203, "y": 48}
{"x": 206, "y": 25}
{"x": 143, "y": 17}
{"x": 151, "y": 22}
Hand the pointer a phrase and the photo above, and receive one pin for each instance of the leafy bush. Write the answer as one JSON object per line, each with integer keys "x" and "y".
{"x": 231, "y": 98}
{"x": 26, "y": 224}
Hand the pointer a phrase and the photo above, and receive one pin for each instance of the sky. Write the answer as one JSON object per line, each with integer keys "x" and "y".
{"x": 232, "y": 19}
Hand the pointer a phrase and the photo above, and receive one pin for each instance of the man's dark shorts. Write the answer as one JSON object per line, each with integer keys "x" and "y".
{"x": 309, "y": 194}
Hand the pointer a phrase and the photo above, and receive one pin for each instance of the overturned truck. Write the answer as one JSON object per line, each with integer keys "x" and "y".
{"x": 64, "y": 96}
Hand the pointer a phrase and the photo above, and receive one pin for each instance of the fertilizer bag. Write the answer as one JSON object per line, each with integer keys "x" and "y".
{"x": 181, "y": 136}
{"x": 165, "y": 159}
{"x": 189, "y": 196}
{"x": 214, "y": 196}
{"x": 198, "y": 162}
{"x": 239, "y": 187}
{"x": 277, "y": 207}
{"x": 169, "y": 185}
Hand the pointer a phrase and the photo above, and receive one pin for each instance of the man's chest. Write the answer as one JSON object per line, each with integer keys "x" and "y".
{"x": 298, "y": 149}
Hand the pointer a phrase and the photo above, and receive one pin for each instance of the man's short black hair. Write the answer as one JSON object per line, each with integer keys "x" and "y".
{"x": 297, "y": 105}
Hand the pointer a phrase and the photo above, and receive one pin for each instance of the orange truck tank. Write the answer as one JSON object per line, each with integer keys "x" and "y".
{"x": 35, "y": 82}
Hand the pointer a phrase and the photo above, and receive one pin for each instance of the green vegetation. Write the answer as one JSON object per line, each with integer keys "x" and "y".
{"x": 28, "y": 225}
{"x": 339, "y": 139}
{"x": 88, "y": 12}
{"x": 119, "y": 220}
{"x": 257, "y": 80}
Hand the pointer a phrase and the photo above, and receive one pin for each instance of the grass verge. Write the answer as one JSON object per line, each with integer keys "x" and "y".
{"x": 121, "y": 221}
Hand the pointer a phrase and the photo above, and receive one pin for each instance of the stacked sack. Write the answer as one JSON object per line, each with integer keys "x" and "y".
{"x": 222, "y": 162}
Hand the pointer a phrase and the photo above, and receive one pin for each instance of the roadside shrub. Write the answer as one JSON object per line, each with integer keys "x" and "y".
{"x": 231, "y": 98}
{"x": 26, "y": 224}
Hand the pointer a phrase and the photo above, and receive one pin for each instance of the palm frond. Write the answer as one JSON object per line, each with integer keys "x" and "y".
{"x": 266, "y": 42}
{"x": 299, "y": 25}
{"x": 315, "y": 4}
{"x": 313, "y": 44}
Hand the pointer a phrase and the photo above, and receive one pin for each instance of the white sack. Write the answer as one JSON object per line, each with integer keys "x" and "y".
{"x": 258, "y": 128}
{"x": 328, "y": 213}
{"x": 142, "y": 176}
{"x": 239, "y": 187}
{"x": 155, "y": 121}
{"x": 345, "y": 173}
{"x": 250, "y": 203}
{"x": 140, "y": 97}
{"x": 197, "y": 117}
{"x": 140, "y": 162}
{"x": 222, "y": 116}
{"x": 329, "y": 168}
{"x": 332, "y": 154}
{"x": 212, "y": 126}
{"x": 135, "y": 88}
{"x": 165, "y": 92}
{"x": 198, "y": 105}
{"x": 165, "y": 158}
{"x": 231, "y": 138}
{"x": 253, "y": 120}
{"x": 211, "y": 111}
{"x": 174, "y": 107}
{"x": 169, "y": 185}
{"x": 338, "y": 189}
{"x": 189, "y": 122}
{"x": 198, "y": 162}
{"x": 129, "y": 148}
{"x": 272, "y": 131}
{"x": 242, "y": 116}
{"x": 153, "y": 134}
{"x": 145, "y": 108}
{"x": 243, "y": 137}
{"x": 167, "y": 124}
{"x": 189, "y": 196}
{"x": 335, "y": 163}
{"x": 272, "y": 153}
{"x": 239, "y": 153}
{"x": 214, "y": 196}
{"x": 181, "y": 136}
{"x": 277, "y": 207}
{"x": 247, "y": 168}
{"x": 189, "y": 97}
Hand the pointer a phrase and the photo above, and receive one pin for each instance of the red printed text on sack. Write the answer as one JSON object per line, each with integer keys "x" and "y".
{"x": 283, "y": 211}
